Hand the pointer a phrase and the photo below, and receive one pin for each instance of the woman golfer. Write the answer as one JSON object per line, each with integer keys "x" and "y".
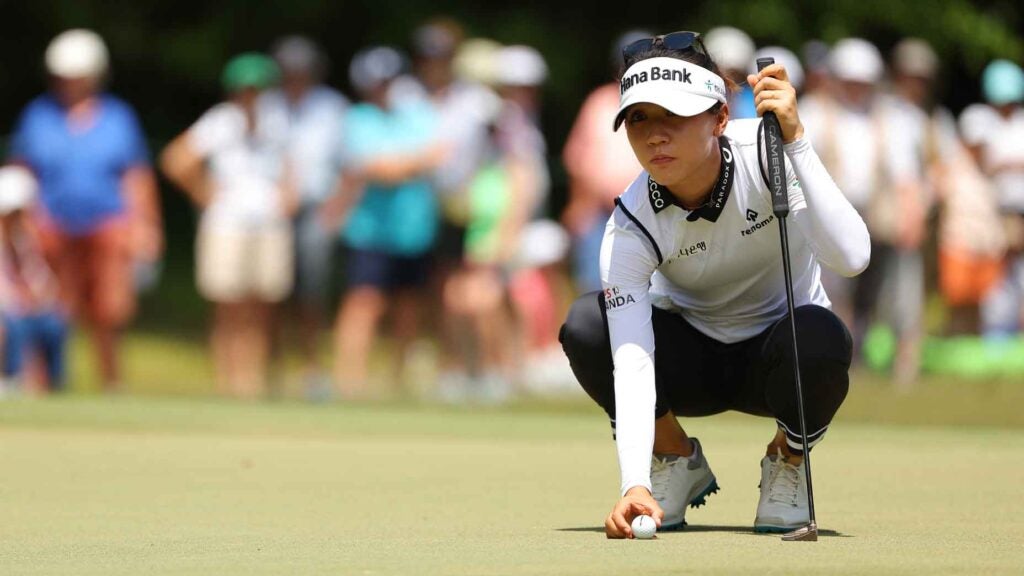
{"x": 693, "y": 317}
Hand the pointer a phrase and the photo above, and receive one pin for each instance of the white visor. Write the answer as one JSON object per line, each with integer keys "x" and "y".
{"x": 681, "y": 87}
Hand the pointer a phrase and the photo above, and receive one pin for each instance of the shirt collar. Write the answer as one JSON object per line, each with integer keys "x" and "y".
{"x": 661, "y": 198}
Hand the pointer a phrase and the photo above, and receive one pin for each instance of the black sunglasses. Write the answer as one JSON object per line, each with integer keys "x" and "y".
{"x": 682, "y": 41}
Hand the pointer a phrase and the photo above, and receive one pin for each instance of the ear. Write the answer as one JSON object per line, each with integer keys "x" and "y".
{"x": 721, "y": 120}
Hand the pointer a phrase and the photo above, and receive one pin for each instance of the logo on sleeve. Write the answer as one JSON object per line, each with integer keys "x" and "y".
{"x": 615, "y": 298}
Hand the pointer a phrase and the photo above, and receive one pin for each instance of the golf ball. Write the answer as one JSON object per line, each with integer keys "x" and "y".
{"x": 644, "y": 527}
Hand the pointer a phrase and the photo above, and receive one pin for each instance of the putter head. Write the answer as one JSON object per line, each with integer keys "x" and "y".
{"x": 808, "y": 533}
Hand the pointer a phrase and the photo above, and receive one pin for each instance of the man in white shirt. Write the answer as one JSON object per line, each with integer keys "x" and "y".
{"x": 314, "y": 113}
{"x": 872, "y": 144}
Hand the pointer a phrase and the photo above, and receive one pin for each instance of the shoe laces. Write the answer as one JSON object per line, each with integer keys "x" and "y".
{"x": 784, "y": 484}
{"x": 661, "y": 472}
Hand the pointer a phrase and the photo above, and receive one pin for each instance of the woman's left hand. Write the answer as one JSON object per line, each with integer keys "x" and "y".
{"x": 774, "y": 93}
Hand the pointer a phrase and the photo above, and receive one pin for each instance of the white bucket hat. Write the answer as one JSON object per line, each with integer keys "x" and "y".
{"x": 915, "y": 57}
{"x": 684, "y": 88}
{"x": 856, "y": 60}
{"x": 731, "y": 48}
{"x": 77, "y": 53}
{"x": 520, "y": 65}
{"x": 783, "y": 56}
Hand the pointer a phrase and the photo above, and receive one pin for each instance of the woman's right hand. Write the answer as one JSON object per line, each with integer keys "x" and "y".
{"x": 637, "y": 502}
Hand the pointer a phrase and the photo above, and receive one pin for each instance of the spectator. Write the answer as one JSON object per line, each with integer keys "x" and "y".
{"x": 536, "y": 280}
{"x": 34, "y": 322}
{"x": 477, "y": 294}
{"x": 927, "y": 136}
{"x": 998, "y": 139}
{"x": 462, "y": 103}
{"x": 600, "y": 166}
{"x": 233, "y": 164}
{"x": 817, "y": 78}
{"x": 390, "y": 215}
{"x": 783, "y": 56}
{"x": 314, "y": 113}
{"x": 964, "y": 236}
{"x": 100, "y": 215}
{"x": 972, "y": 241}
{"x": 875, "y": 157}
{"x": 733, "y": 50}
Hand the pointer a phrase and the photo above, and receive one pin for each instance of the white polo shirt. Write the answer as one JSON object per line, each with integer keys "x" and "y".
{"x": 720, "y": 267}
{"x": 246, "y": 168}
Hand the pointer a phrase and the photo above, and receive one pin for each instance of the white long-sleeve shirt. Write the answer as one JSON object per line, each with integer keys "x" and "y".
{"x": 719, "y": 267}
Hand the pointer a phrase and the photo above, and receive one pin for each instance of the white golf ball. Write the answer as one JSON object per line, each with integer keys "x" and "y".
{"x": 644, "y": 527}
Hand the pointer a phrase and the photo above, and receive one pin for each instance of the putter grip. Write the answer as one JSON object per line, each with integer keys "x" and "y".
{"x": 774, "y": 156}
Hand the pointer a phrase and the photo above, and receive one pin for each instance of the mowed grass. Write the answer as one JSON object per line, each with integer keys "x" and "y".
{"x": 157, "y": 485}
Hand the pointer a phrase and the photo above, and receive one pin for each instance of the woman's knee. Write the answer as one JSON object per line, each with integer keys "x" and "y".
{"x": 584, "y": 338}
{"x": 585, "y": 329}
{"x": 822, "y": 336}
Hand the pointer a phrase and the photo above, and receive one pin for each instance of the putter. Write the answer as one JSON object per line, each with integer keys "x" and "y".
{"x": 776, "y": 177}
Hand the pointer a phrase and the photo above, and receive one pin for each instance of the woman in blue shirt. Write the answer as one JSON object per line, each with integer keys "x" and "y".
{"x": 99, "y": 202}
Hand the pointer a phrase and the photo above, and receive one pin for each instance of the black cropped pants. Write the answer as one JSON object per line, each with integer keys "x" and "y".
{"x": 696, "y": 375}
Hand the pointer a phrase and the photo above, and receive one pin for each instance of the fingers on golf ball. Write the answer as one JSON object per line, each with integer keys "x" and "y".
{"x": 644, "y": 527}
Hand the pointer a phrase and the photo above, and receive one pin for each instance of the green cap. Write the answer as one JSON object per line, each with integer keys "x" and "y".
{"x": 249, "y": 70}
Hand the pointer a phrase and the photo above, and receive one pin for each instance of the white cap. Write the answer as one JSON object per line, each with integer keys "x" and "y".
{"x": 476, "y": 60}
{"x": 730, "y": 48}
{"x": 856, "y": 60}
{"x": 520, "y": 66}
{"x": 374, "y": 66}
{"x": 542, "y": 242}
{"x": 17, "y": 188}
{"x": 782, "y": 56}
{"x": 676, "y": 85}
{"x": 915, "y": 57}
{"x": 77, "y": 53}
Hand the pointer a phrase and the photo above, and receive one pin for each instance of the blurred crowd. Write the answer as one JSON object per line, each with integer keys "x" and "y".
{"x": 427, "y": 191}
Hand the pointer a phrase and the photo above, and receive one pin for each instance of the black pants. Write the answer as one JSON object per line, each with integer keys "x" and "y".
{"x": 696, "y": 375}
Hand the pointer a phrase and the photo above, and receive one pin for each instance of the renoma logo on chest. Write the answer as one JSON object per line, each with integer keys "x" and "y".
{"x": 655, "y": 73}
{"x": 752, "y": 217}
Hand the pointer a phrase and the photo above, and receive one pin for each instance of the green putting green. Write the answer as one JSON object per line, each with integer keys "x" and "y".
{"x": 130, "y": 485}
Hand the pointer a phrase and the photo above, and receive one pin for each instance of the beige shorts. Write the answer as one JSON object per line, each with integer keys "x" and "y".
{"x": 234, "y": 263}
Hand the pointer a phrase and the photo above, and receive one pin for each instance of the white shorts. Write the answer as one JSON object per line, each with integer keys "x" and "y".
{"x": 235, "y": 262}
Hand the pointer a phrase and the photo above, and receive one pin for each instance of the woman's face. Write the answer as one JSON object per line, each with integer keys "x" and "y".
{"x": 71, "y": 91}
{"x": 246, "y": 97}
{"x": 671, "y": 148}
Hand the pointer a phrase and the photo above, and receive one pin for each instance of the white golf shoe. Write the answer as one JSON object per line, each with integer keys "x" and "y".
{"x": 679, "y": 482}
{"x": 783, "y": 503}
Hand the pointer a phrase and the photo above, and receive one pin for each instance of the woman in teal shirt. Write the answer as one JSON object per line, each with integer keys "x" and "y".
{"x": 388, "y": 215}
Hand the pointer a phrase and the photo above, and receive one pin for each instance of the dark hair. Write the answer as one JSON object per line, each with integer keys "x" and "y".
{"x": 701, "y": 59}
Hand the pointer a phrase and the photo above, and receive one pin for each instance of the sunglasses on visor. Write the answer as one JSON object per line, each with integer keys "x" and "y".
{"x": 682, "y": 41}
